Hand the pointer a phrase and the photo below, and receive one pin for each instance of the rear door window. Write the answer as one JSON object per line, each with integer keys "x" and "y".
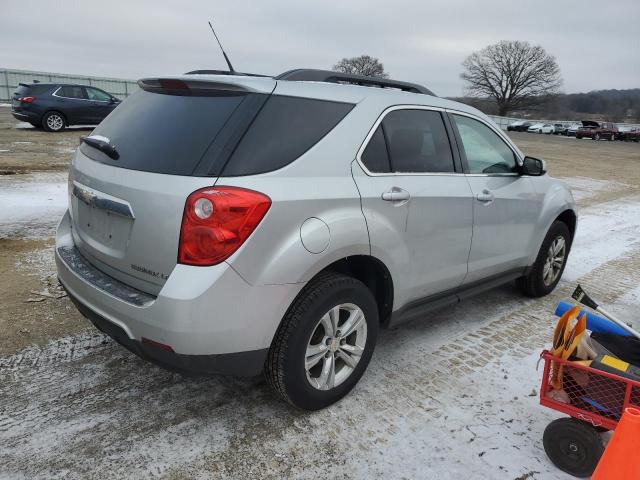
{"x": 71, "y": 91}
{"x": 375, "y": 155}
{"x": 418, "y": 142}
{"x": 285, "y": 128}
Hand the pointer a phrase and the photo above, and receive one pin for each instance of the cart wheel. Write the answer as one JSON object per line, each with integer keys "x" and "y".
{"x": 573, "y": 446}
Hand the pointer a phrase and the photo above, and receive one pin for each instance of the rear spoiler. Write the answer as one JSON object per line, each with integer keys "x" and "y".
{"x": 196, "y": 88}
{"x": 208, "y": 86}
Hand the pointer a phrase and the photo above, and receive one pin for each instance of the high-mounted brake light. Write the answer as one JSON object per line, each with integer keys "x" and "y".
{"x": 26, "y": 99}
{"x": 191, "y": 87}
{"x": 216, "y": 222}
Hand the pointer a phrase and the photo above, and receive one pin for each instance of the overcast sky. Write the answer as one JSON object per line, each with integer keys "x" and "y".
{"x": 596, "y": 44}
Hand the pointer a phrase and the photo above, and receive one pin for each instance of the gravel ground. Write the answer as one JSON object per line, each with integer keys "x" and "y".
{"x": 452, "y": 396}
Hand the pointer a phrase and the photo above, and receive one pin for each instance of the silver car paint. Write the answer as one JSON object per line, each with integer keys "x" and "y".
{"x": 238, "y": 304}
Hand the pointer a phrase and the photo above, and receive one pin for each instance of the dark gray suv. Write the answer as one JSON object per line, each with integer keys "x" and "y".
{"x": 54, "y": 106}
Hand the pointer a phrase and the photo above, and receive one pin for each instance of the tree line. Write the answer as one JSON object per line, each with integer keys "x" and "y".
{"x": 517, "y": 78}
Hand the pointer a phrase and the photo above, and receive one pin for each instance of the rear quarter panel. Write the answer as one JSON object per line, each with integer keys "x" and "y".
{"x": 318, "y": 184}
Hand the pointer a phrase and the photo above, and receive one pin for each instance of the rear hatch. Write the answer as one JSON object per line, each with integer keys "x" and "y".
{"x": 25, "y": 91}
{"x": 129, "y": 181}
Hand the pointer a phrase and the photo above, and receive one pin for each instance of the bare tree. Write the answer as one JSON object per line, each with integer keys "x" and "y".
{"x": 362, "y": 65}
{"x": 515, "y": 74}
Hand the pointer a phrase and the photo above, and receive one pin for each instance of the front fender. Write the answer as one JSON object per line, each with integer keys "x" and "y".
{"x": 555, "y": 198}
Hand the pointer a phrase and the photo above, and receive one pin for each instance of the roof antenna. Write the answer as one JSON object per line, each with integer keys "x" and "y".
{"x": 231, "y": 70}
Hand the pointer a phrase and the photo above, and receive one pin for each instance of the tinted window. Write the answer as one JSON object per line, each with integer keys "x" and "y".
{"x": 486, "y": 152}
{"x": 418, "y": 141}
{"x": 34, "y": 89}
{"x": 71, "y": 91}
{"x": 164, "y": 133}
{"x": 285, "y": 128}
{"x": 99, "y": 95}
{"x": 375, "y": 156}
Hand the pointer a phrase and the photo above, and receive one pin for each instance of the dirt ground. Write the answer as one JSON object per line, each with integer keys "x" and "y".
{"x": 456, "y": 392}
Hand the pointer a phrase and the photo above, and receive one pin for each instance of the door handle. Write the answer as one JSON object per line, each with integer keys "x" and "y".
{"x": 396, "y": 195}
{"x": 486, "y": 196}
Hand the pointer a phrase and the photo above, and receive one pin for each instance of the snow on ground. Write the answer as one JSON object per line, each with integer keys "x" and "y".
{"x": 449, "y": 397}
{"x": 603, "y": 234}
{"x": 32, "y": 204}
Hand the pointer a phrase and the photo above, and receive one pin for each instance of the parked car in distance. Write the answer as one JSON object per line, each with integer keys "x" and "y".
{"x": 597, "y": 130}
{"x": 541, "y": 128}
{"x": 628, "y": 134}
{"x": 572, "y": 129}
{"x": 55, "y": 106}
{"x": 518, "y": 126}
{"x": 560, "y": 129}
{"x": 240, "y": 235}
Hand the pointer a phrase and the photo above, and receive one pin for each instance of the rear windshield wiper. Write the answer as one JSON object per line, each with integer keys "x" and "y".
{"x": 102, "y": 144}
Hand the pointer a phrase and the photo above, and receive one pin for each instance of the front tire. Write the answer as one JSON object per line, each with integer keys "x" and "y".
{"x": 550, "y": 262}
{"x": 324, "y": 343}
{"x": 53, "y": 122}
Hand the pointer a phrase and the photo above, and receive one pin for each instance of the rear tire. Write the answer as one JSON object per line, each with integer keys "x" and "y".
{"x": 573, "y": 446}
{"x": 303, "y": 348}
{"x": 53, "y": 122}
{"x": 596, "y": 137}
{"x": 550, "y": 262}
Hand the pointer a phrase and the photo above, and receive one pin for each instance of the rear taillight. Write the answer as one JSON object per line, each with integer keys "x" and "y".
{"x": 26, "y": 99}
{"x": 216, "y": 221}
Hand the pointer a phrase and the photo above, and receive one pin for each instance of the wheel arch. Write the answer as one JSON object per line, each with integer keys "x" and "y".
{"x": 570, "y": 219}
{"x": 374, "y": 274}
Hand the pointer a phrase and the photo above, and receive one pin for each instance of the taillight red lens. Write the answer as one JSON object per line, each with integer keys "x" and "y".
{"x": 27, "y": 99}
{"x": 216, "y": 221}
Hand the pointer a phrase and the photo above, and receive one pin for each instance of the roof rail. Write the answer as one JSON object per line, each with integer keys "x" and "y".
{"x": 302, "y": 74}
{"x": 223, "y": 72}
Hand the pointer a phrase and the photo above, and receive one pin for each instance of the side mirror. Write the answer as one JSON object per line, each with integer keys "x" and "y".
{"x": 533, "y": 166}
{"x": 113, "y": 100}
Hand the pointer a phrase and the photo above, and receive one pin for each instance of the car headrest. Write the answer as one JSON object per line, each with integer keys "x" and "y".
{"x": 407, "y": 142}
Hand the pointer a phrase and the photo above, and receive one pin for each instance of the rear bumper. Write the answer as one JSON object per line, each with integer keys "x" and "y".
{"x": 214, "y": 321}
{"x": 25, "y": 116}
{"x": 239, "y": 363}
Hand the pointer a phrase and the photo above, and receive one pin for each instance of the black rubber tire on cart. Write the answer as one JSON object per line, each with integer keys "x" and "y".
{"x": 573, "y": 446}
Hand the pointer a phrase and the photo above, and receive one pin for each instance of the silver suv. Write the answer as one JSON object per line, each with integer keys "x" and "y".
{"x": 238, "y": 224}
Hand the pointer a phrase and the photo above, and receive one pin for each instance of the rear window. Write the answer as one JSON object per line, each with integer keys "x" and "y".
{"x": 167, "y": 134}
{"x": 285, "y": 128}
{"x": 24, "y": 90}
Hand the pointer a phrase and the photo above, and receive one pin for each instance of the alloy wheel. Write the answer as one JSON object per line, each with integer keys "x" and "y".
{"x": 55, "y": 122}
{"x": 556, "y": 256}
{"x": 335, "y": 346}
